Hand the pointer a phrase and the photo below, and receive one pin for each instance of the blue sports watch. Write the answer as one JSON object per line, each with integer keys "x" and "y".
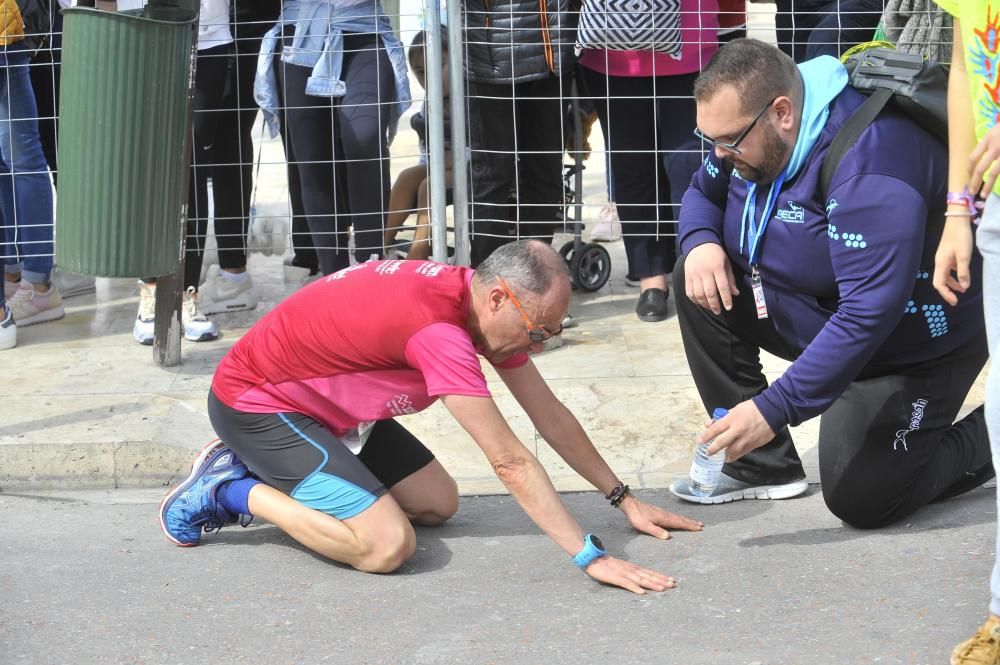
{"x": 593, "y": 548}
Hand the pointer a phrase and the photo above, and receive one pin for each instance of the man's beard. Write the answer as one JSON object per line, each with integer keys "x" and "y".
{"x": 773, "y": 163}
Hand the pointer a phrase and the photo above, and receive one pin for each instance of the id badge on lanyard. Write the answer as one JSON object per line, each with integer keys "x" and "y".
{"x": 756, "y": 233}
{"x": 758, "y": 293}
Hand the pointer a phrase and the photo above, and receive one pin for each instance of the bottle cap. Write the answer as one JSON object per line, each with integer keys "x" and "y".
{"x": 719, "y": 413}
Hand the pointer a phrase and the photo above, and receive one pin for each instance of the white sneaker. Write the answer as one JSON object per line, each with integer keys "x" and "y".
{"x": 9, "y": 289}
{"x": 197, "y": 327}
{"x": 145, "y": 321}
{"x": 632, "y": 281}
{"x": 31, "y": 307}
{"x": 297, "y": 275}
{"x": 220, "y": 294}
{"x": 8, "y": 330}
{"x": 73, "y": 284}
{"x": 608, "y": 228}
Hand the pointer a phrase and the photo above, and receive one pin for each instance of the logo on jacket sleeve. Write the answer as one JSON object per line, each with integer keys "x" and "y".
{"x": 793, "y": 215}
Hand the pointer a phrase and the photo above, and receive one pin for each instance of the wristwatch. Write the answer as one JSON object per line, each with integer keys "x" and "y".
{"x": 593, "y": 549}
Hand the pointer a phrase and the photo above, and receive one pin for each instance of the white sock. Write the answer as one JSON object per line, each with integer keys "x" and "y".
{"x": 233, "y": 276}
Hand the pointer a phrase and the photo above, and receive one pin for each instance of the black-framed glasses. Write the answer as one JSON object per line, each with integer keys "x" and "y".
{"x": 734, "y": 147}
{"x": 536, "y": 333}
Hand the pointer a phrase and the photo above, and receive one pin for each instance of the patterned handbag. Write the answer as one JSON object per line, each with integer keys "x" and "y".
{"x": 631, "y": 25}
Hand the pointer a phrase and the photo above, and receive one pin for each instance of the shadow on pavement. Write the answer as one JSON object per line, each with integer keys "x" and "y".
{"x": 969, "y": 509}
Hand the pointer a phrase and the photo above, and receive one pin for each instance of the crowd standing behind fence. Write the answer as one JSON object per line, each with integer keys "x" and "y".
{"x": 334, "y": 85}
{"x": 645, "y": 104}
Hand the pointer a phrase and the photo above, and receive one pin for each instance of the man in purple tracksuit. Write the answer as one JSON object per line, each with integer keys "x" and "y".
{"x": 838, "y": 284}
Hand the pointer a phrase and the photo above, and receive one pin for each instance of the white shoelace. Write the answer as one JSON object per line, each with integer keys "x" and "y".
{"x": 190, "y": 311}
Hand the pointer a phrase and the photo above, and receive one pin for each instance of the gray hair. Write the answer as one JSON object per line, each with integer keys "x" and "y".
{"x": 527, "y": 265}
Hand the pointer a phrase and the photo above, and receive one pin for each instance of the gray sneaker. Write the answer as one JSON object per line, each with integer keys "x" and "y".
{"x": 730, "y": 489}
{"x": 72, "y": 284}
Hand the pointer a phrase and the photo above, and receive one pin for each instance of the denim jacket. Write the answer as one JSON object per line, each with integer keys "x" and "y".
{"x": 319, "y": 43}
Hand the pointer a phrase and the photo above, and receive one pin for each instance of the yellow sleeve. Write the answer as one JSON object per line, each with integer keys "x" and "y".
{"x": 950, "y": 6}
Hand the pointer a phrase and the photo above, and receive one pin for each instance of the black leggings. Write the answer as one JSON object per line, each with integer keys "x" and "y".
{"x": 221, "y": 150}
{"x": 516, "y": 138}
{"x": 45, "y": 67}
{"x": 341, "y": 148}
{"x": 647, "y": 124}
{"x": 887, "y": 446}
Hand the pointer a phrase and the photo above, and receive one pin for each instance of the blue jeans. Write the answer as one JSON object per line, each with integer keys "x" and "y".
{"x": 988, "y": 242}
{"x": 25, "y": 188}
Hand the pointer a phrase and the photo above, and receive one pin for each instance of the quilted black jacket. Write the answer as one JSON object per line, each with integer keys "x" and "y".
{"x": 514, "y": 41}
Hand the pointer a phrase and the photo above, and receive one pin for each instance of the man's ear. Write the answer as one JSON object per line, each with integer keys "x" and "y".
{"x": 495, "y": 297}
{"x": 785, "y": 110}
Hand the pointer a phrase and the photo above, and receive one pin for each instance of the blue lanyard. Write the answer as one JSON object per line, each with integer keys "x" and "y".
{"x": 754, "y": 234}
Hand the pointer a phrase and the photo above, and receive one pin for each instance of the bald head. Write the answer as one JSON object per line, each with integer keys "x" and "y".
{"x": 528, "y": 266}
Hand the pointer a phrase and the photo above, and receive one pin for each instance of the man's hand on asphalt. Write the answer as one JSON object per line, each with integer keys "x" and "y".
{"x": 708, "y": 277}
{"x": 654, "y": 520}
{"x": 628, "y": 576}
{"x": 951, "y": 262}
{"x": 984, "y": 166}
{"x": 743, "y": 429}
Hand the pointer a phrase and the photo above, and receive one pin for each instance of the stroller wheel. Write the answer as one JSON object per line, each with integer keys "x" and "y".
{"x": 590, "y": 268}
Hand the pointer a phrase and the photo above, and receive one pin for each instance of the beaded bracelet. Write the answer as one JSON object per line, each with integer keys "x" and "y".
{"x": 618, "y": 494}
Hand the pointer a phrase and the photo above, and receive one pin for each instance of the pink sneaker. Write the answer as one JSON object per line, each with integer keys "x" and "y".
{"x": 31, "y": 307}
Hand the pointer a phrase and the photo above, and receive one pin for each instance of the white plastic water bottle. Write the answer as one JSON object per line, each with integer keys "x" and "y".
{"x": 705, "y": 468}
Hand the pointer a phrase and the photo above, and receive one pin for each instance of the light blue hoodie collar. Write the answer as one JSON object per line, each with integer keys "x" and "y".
{"x": 823, "y": 79}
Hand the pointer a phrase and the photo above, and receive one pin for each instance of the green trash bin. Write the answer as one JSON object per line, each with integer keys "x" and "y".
{"x": 122, "y": 121}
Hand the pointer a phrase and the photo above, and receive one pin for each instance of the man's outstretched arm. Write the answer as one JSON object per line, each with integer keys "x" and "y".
{"x": 528, "y": 483}
{"x": 563, "y": 432}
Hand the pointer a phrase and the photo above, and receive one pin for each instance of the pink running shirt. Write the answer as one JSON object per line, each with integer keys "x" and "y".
{"x": 374, "y": 341}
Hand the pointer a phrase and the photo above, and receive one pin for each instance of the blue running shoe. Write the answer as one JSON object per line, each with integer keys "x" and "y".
{"x": 191, "y": 506}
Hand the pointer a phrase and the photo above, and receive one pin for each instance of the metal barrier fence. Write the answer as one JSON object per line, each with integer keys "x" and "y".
{"x": 315, "y": 182}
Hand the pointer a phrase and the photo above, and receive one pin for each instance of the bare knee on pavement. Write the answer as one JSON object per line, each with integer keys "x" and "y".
{"x": 377, "y": 540}
{"x": 429, "y": 497}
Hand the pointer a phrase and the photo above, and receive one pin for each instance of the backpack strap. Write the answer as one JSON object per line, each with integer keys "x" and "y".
{"x": 848, "y": 135}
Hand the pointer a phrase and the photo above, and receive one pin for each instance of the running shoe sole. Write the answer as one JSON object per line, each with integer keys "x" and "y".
{"x": 172, "y": 494}
{"x": 144, "y": 339}
{"x": 43, "y": 317}
{"x": 203, "y": 337}
{"x": 227, "y": 306}
{"x": 763, "y": 492}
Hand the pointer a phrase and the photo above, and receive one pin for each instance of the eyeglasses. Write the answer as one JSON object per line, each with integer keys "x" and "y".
{"x": 734, "y": 147}
{"x": 536, "y": 333}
